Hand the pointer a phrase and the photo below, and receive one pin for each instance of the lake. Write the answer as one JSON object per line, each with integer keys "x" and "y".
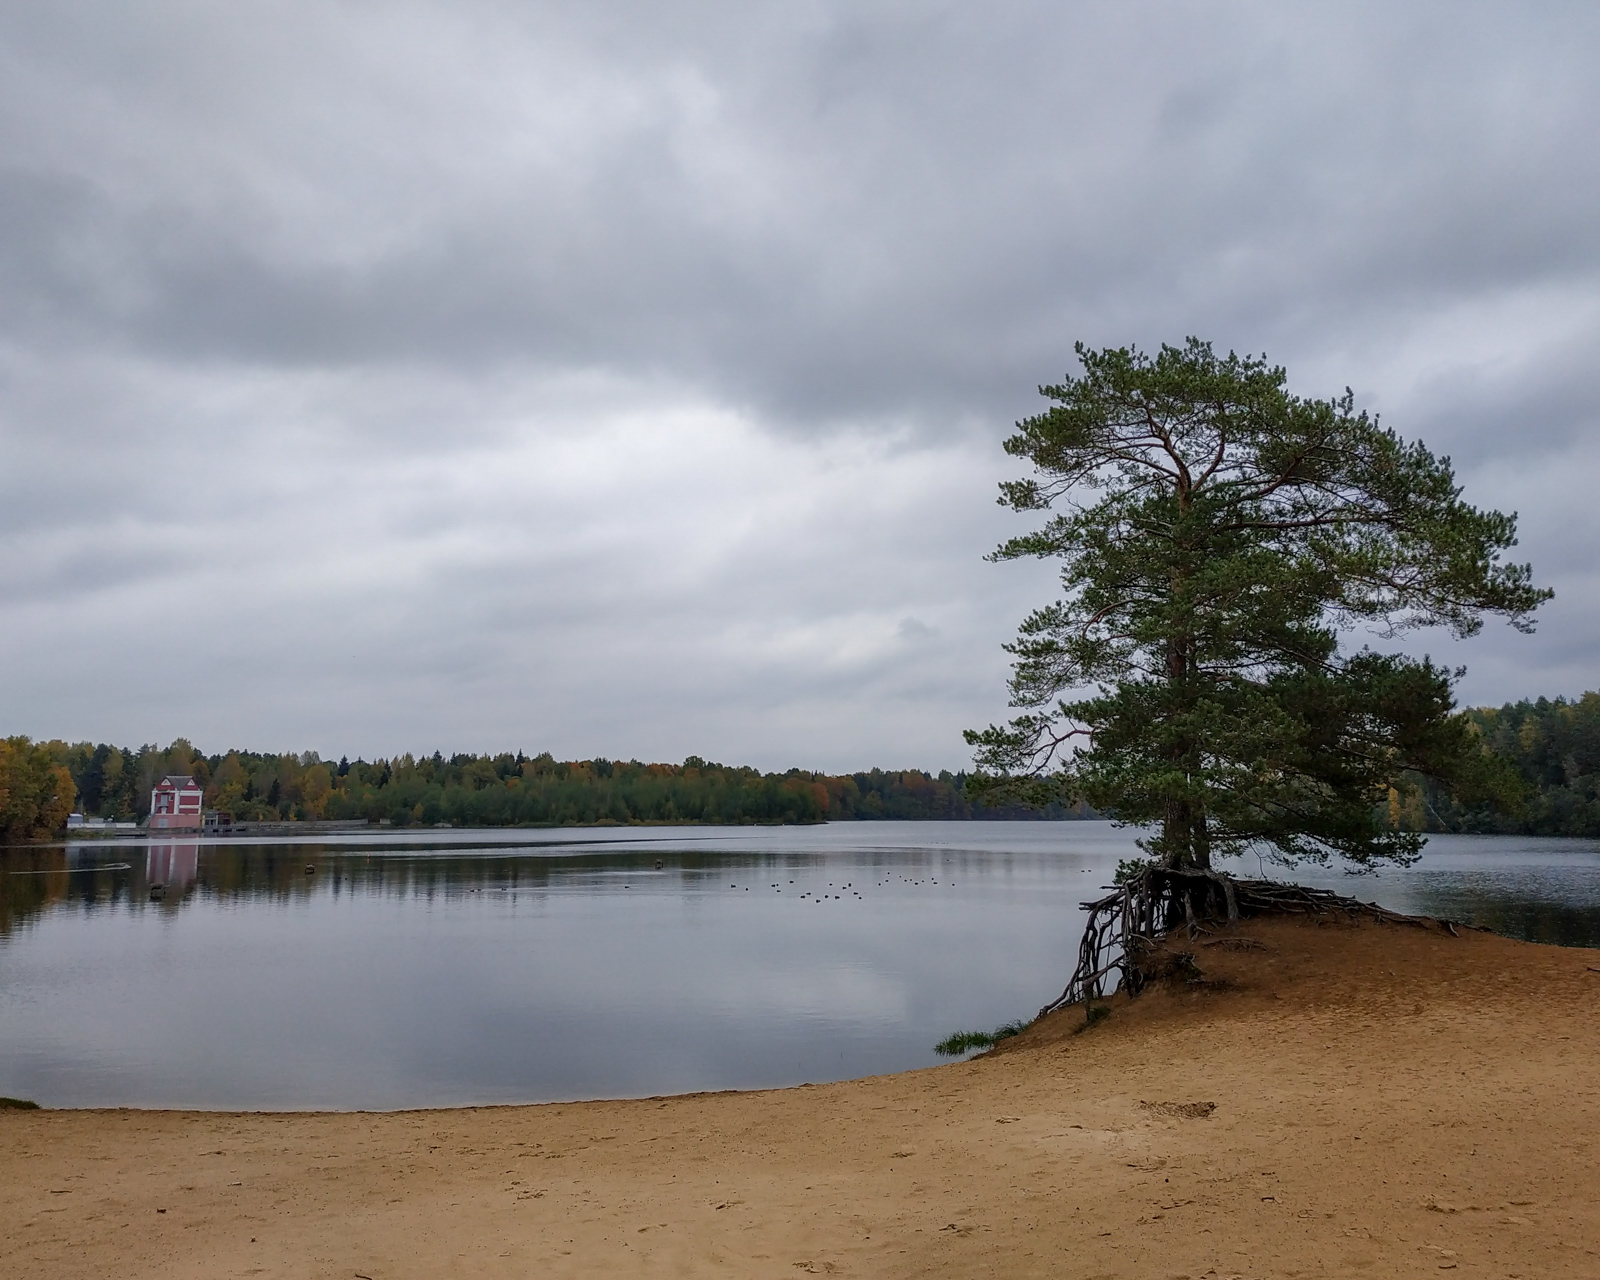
{"x": 442, "y": 968}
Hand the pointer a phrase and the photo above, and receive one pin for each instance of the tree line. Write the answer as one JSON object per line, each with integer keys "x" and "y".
{"x": 1546, "y": 750}
{"x": 509, "y": 789}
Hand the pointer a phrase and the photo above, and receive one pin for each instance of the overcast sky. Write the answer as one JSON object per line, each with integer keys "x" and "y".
{"x": 629, "y": 379}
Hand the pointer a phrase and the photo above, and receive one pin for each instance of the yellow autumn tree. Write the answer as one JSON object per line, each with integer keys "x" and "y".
{"x": 316, "y": 783}
{"x": 36, "y": 790}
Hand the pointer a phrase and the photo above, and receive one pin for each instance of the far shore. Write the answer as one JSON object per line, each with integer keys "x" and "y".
{"x": 1338, "y": 1100}
{"x": 346, "y": 826}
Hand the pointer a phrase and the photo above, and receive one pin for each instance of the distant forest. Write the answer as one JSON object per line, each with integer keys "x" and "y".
{"x": 1550, "y": 747}
{"x": 511, "y": 790}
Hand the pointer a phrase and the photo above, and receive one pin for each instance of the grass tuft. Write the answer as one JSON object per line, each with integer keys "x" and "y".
{"x": 967, "y": 1041}
{"x": 17, "y": 1104}
{"x": 1092, "y": 1013}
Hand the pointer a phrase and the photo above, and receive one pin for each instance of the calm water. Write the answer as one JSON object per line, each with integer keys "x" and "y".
{"x": 441, "y": 968}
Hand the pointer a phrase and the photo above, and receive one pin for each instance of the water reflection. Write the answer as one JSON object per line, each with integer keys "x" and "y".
{"x": 432, "y": 969}
{"x": 1538, "y": 890}
{"x": 33, "y": 878}
{"x": 1558, "y": 923}
{"x": 171, "y": 866}
{"x": 491, "y": 970}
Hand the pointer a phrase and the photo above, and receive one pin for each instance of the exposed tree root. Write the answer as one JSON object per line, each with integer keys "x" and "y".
{"x": 1124, "y": 928}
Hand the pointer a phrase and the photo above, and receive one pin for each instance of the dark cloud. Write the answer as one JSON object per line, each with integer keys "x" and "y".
{"x": 607, "y": 376}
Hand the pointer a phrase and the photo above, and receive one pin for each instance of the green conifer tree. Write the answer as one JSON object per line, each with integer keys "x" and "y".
{"x": 1217, "y": 536}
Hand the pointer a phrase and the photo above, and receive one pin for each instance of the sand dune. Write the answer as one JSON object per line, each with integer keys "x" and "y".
{"x": 1342, "y": 1100}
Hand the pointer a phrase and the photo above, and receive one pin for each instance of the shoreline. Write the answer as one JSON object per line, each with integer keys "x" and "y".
{"x": 243, "y": 831}
{"x": 1341, "y": 1099}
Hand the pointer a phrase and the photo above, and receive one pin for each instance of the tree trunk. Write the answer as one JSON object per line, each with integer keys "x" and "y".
{"x": 1199, "y": 842}
{"x": 1185, "y": 838}
{"x": 1175, "y": 836}
{"x": 1185, "y": 842}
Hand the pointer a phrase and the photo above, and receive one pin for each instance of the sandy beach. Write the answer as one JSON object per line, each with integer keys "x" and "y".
{"x": 1340, "y": 1099}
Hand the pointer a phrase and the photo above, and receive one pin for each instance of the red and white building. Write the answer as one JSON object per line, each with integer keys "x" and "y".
{"x": 175, "y": 803}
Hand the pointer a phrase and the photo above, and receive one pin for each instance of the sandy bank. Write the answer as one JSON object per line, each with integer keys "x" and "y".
{"x": 1388, "y": 1102}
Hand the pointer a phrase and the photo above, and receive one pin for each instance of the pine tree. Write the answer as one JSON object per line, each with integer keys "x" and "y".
{"x": 1217, "y": 535}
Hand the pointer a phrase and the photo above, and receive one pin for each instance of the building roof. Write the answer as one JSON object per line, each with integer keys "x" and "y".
{"x": 178, "y": 781}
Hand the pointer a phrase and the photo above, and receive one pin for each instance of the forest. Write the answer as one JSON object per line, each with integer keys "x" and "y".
{"x": 506, "y": 789}
{"x": 1549, "y": 750}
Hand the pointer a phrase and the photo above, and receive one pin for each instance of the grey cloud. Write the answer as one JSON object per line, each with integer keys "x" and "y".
{"x": 870, "y": 210}
{"x": 629, "y": 377}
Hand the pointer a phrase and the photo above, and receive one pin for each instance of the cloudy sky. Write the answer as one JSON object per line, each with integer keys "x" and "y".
{"x": 628, "y": 379}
